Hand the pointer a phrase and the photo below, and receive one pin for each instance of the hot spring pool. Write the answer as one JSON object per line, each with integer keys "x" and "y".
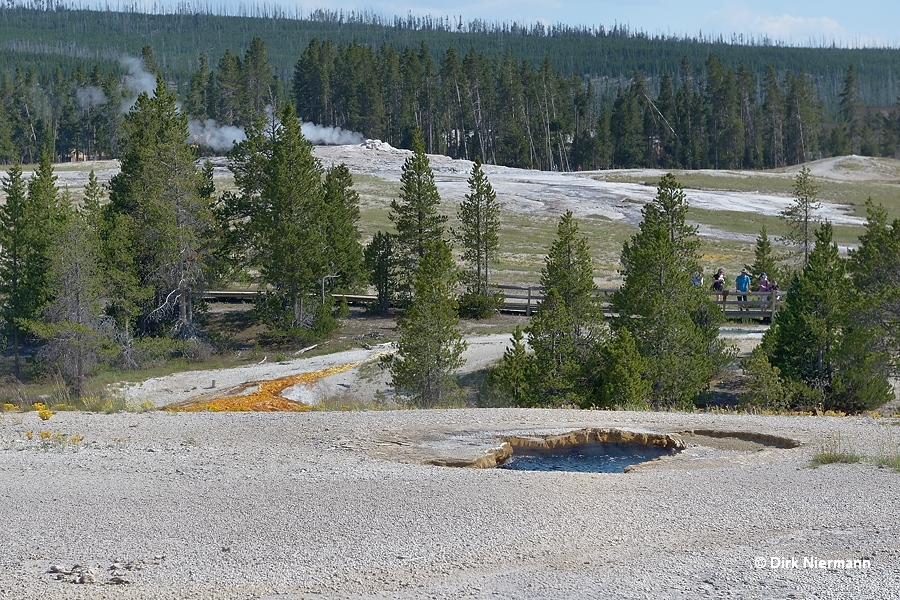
{"x": 583, "y": 458}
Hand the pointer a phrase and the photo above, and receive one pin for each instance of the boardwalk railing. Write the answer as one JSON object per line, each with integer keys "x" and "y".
{"x": 755, "y": 305}
{"x": 527, "y": 299}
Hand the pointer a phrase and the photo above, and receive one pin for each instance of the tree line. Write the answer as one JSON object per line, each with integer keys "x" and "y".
{"x": 503, "y": 110}
{"x": 515, "y": 113}
{"x": 51, "y": 34}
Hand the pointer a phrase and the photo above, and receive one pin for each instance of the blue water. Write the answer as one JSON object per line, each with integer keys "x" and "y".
{"x": 583, "y": 458}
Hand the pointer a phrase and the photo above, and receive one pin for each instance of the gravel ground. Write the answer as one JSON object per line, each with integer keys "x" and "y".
{"x": 342, "y": 505}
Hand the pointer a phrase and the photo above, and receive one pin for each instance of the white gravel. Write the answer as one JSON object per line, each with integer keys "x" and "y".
{"x": 340, "y": 505}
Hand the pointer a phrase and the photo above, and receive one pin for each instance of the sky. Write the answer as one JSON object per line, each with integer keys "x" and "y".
{"x": 794, "y": 22}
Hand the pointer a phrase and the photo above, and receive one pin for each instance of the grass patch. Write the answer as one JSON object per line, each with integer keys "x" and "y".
{"x": 351, "y": 403}
{"x": 888, "y": 450}
{"x": 834, "y": 450}
{"x": 889, "y": 462}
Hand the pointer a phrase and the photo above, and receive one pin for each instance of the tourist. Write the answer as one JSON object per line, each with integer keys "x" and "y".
{"x": 697, "y": 278}
{"x": 742, "y": 284}
{"x": 718, "y": 284}
{"x": 764, "y": 287}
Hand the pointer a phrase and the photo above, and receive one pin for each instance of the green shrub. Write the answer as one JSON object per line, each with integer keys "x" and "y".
{"x": 343, "y": 309}
{"x": 476, "y": 305}
{"x": 622, "y": 383}
{"x": 765, "y": 389}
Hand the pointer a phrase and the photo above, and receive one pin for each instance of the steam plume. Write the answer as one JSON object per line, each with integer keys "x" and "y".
{"x": 90, "y": 97}
{"x": 209, "y": 134}
{"x": 138, "y": 80}
{"x": 330, "y": 136}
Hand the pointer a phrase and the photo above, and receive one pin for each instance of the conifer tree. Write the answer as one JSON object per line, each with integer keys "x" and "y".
{"x": 764, "y": 258}
{"x": 415, "y": 214}
{"x": 875, "y": 269}
{"x": 773, "y": 119}
{"x": 673, "y": 322}
{"x": 851, "y": 110}
{"x": 73, "y": 325}
{"x": 158, "y": 221}
{"x": 815, "y": 343}
{"x": 478, "y": 233}
{"x": 622, "y": 383}
{"x": 430, "y": 346}
{"x": 801, "y": 218}
{"x": 257, "y": 88}
{"x": 199, "y": 95}
{"x": 29, "y": 219}
{"x": 281, "y": 208}
{"x": 345, "y": 253}
{"x": 567, "y": 328}
{"x": 20, "y": 299}
{"x": 381, "y": 264}
{"x": 514, "y": 376}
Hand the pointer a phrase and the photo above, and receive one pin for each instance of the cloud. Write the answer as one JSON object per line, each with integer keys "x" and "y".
{"x": 791, "y": 27}
{"x": 783, "y": 27}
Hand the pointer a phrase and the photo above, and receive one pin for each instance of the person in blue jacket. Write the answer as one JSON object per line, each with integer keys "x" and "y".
{"x": 742, "y": 284}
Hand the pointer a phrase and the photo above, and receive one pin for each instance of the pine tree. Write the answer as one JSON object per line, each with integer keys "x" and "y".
{"x": 312, "y": 83}
{"x": 478, "y": 233}
{"x": 627, "y": 129}
{"x": 765, "y": 387}
{"x": 157, "y": 230}
{"x": 726, "y": 133}
{"x": 381, "y": 264}
{"x": 29, "y": 220}
{"x": 802, "y": 117}
{"x": 622, "y": 384}
{"x": 20, "y": 299}
{"x": 281, "y": 208}
{"x": 415, "y": 214}
{"x": 875, "y": 269}
{"x": 773, "y": 118}
{"x": 73, "y": 325}
{"x": 258, "y": 87}
{"x": 800, "y": 217}
{"x": 764, "y": 258}
{"x": 199, "y": 96}
{"x": 673, "y": 322}
{"x": 345, "y": 253}
{"x": 227, "y": 98}
{"x": 430, "y": 346}
{"x": 565, "y": 332}
{"x": 851, "y": 111}
{"x": 568, "y": 270}
{"x": 513, "y": 376}
{"x": 814, "y": 342}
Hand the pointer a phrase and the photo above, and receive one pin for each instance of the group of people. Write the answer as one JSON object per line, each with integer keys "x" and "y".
{"x": 742, "y": 285}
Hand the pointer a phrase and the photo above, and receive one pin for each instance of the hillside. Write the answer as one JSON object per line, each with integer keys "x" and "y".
{"x": 67, "y": 38}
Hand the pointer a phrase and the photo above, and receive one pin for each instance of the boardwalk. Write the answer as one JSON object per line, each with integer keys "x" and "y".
{"x": 526, "y": 300}
{"x": 758, "y": 305}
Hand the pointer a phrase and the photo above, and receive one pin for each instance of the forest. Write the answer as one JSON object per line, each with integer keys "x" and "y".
{"x": 564, "y": 98}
